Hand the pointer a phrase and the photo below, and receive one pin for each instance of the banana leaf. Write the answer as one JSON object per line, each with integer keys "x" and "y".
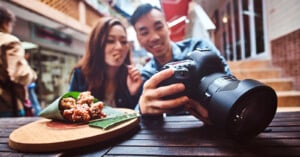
{"x": 109, "y": 122}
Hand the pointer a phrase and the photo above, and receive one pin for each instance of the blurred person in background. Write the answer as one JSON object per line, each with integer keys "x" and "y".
{"x": 15, "y": 72}
{"x": 106, "y": 69}
{"x": 32, "y": 92}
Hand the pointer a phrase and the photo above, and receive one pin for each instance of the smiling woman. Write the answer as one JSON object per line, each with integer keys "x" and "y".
{"x": 106, "y": 69}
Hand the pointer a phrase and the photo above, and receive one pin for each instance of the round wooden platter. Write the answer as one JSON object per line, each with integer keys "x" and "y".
{"x": 46, "y": 135}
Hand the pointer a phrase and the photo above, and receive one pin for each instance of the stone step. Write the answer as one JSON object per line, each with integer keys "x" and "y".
{"x": 259, "y": 73}
{"x": 288, "y": 109}
{"x": 263, "y": 71}
{"x": 288, "y": 98}
{"x": 279, "y": 84}
{"x": 249, "y": 64}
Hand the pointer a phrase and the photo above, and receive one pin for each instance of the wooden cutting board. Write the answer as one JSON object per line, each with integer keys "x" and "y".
{"x": 46, "y": 135}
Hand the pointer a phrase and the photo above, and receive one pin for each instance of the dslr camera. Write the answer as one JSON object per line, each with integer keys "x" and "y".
{"x": 242, "y": 108}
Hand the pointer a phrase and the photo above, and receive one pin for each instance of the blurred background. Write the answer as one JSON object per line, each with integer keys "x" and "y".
{"x": 247, "y": 32}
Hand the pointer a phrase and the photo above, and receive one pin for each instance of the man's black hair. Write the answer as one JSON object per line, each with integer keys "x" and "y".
{"x": 140, "y": 11}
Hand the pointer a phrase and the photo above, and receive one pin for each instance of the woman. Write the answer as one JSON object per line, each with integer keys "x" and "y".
{"x": 15, "y": 72}
{"x": 106, "y": 69}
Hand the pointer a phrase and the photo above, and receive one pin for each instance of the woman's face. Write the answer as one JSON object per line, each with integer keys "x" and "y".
{"x": 117, "y": 47}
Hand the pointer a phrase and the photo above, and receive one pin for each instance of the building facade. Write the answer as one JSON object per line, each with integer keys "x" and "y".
{"x": 54, "y": 34}
{"x": 241, "y": 30}
{"x": 259, "y": 29}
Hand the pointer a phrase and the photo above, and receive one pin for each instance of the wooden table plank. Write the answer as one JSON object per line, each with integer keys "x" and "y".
{"x": 179, "y": 136}
{"x": 204, "y": 151}
{"x": 211, "y": 143}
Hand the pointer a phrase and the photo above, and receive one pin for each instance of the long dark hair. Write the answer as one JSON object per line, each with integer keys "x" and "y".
{"x": 93, "y": 65}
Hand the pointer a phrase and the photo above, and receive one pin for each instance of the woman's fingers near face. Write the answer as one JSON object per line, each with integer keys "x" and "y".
{"x": 134, "y": 73}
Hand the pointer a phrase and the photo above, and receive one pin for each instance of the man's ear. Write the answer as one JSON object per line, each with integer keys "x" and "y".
{"x": 168, "y": 28}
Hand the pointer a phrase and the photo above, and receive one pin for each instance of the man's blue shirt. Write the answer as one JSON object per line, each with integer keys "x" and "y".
{"x": 180, "y": 50}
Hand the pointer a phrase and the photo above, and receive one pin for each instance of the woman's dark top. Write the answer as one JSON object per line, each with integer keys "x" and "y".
{"x": 123, "y": 98}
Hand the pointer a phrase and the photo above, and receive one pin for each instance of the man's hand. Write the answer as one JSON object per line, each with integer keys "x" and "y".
{"x": 150, "y": 101}
{"x": 197, "y": 110}
{"x": 134, "y": 79}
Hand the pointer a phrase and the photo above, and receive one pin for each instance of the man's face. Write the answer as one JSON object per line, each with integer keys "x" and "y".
{"x": 153, "y": 33}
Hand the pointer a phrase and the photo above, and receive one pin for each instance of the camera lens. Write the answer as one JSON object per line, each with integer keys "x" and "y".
{"x": 243, "y": 108}
{"x": 252, "y": 113}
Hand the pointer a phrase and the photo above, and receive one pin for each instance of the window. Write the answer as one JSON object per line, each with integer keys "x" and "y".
{"x": 259, "y": 29}
{"x": 243, "y": 34}
{"x": 238, "y": 49}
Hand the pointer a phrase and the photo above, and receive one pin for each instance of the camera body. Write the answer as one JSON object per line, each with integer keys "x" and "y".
{"x": 196, "y": 65}
{"x": 183, "y": 73}
{"x": 243, "y": 108}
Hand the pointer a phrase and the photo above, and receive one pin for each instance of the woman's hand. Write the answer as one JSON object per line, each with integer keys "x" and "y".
{"x": 134, "y": 79}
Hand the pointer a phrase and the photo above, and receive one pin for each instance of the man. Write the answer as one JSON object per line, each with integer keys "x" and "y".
{"x": 153, "y": 34}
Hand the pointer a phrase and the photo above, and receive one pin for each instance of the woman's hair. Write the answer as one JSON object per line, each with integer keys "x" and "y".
{"x": 93, "y": 65}
{"x": 6, "y": 16}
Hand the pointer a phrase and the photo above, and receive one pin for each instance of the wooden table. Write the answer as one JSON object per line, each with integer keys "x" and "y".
{"x": 178, "y": 136}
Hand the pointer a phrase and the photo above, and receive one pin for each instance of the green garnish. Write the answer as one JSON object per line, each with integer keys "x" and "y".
{"x": 112, "y": 121}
